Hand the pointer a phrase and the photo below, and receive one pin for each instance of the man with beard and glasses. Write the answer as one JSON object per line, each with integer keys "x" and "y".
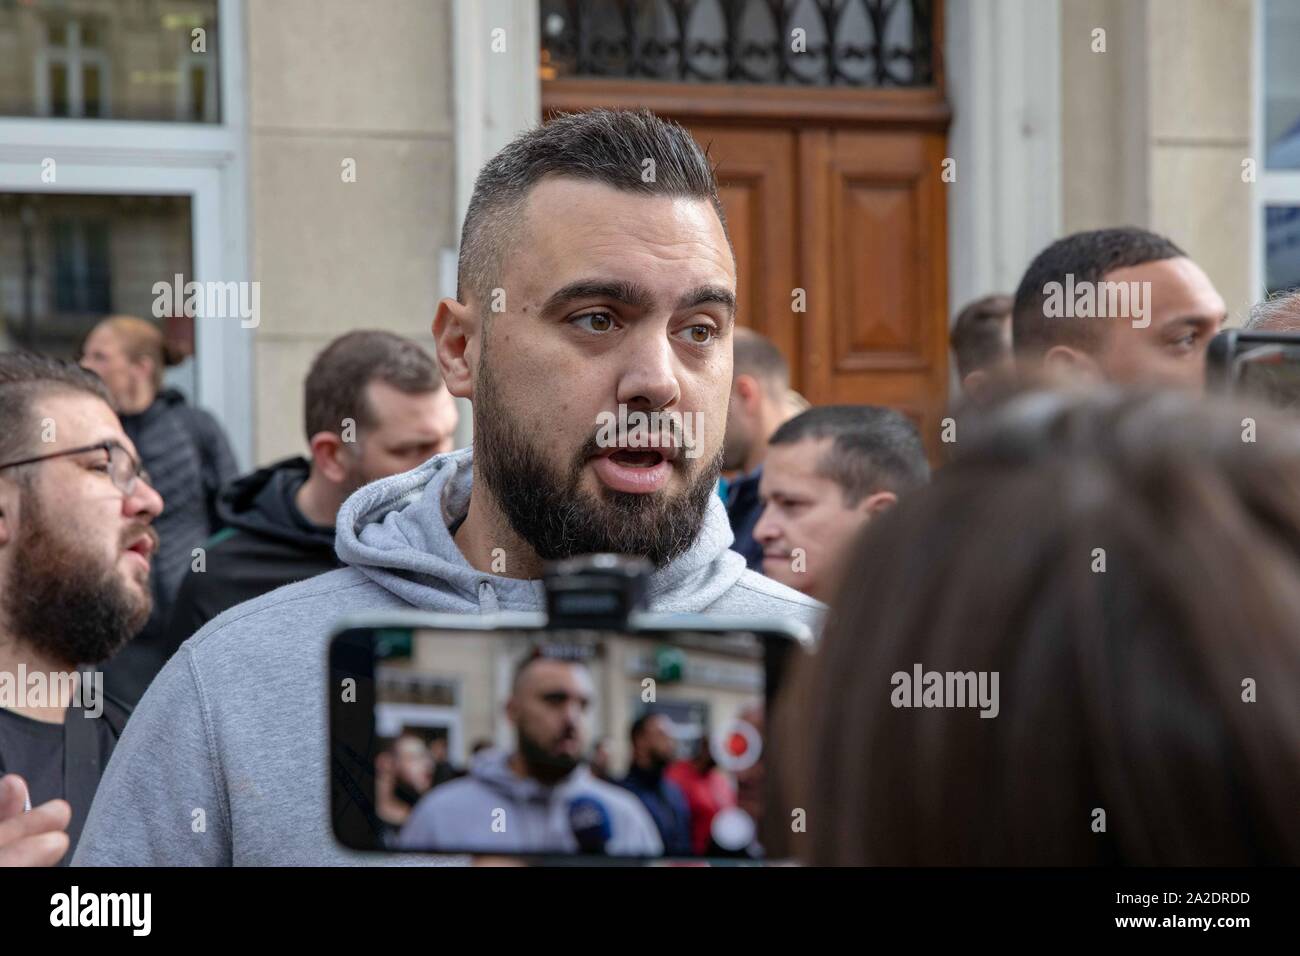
{"x": 541, "y": 797}
{"x": 403, "y": 774}
{"x": 585, "y": 291}
{"x": 76, "y": 544}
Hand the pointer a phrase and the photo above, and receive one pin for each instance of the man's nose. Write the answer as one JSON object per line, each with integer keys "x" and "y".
{"x": 766, "y": 529}
{"x": 143, "y": 501}
{"x": 650, "y": 376}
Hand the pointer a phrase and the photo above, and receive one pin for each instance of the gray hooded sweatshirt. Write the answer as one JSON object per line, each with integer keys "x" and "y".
{"x": 225, "y": 760}
{"x": 493, "y": 810}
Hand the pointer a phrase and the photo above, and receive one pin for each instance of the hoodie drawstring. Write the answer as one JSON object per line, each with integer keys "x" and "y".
{"x": 487, "y": 598}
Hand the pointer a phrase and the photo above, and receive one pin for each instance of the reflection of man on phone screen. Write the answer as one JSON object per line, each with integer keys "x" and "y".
{"x": 540, "y": 798}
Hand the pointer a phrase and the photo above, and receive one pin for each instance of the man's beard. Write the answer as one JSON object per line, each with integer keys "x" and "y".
{"x": 658, "y": 763}
{"x": 543, "y": 765}
{"x": 407, "y": 792}
{"x": 66, "y": 602}
{"x": 556, "y": 517}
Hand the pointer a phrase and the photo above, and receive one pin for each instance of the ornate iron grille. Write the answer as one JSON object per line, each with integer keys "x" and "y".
{"x": 865, "y": 43}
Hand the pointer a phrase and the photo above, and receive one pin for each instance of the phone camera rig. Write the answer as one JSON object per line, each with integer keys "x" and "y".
{"x": 595, "y": 590}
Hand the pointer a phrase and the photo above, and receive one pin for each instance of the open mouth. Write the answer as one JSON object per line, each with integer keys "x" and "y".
{"x": 637, "y": 458}
{"x": 635, "y": 471}
{"x": 142, "y": 546}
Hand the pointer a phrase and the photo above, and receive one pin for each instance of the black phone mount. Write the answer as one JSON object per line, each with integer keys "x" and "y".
{"x": 595, "y": 590}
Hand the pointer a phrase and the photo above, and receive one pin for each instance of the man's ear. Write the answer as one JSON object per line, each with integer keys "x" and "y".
{"x": 327, "y": 451}
{"x": 1072, "y": 363}
{"x": 748, "y": 393}
{"x": 974, "y": 382}
{"x": 456, "y": 328}
{"x": 877, "y": 502}
{"x": 144, "y": 365}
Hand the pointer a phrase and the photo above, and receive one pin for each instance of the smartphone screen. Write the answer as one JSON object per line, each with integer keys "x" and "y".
{"x": 560, "y": 743}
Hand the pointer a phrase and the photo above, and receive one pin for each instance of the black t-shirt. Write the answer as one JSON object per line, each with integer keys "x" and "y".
{"x": 37, "y": 751}
{"x": 34, "y": 749}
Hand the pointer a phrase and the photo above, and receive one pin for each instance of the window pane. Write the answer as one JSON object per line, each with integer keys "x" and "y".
{"x": 1282, "y": 247}
{"x": 139, "y": 54}
{"x": 90, "y": 96}
{"x": 1281, "y": 84}
{"x": 66, "y": 261}
{"x": 58, "y": 90}
{"x": 198, "y": 85}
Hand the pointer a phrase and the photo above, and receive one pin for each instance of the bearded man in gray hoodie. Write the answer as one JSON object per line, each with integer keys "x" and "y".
{"x": 596, "y": 282}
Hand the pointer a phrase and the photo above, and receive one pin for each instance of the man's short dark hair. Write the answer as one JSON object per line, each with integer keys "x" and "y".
{"x": 576, "y": 655}
{"x": 978, "y": 339}
{"x": 874, "y": 449}
{"x": 1088, "y": 256}
{"x": 336, "y": 383}
{"x": 610, "y": 147}
{"x": 25, "y": 377}
{"x": 757, "y": 355}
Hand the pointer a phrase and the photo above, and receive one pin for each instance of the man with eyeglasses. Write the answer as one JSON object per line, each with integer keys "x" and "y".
{"x": 76, "y": 544}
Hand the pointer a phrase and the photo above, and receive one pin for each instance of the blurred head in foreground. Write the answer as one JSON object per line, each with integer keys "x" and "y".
{"x": 1079, "y": 645}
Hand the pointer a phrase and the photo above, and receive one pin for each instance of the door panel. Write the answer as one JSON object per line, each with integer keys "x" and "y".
{"x": 877, "y": 330}
{"x": 756, "y": 176}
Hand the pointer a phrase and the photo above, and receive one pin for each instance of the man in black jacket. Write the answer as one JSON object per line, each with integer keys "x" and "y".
{"x": 375, "y": 406}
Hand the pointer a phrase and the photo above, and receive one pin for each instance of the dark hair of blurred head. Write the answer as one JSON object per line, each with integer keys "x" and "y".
{"x": 756, "y": 355}
{"x": 1120, "y": 689}
{"x": 980, "y": 334}
{"x": 1089, "y": 257}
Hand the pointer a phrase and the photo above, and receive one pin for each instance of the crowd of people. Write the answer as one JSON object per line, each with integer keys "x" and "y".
{"x": 1104, "y": 538}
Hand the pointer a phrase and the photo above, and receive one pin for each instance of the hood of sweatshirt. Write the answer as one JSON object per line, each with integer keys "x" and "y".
{"x": 492, "y": 769}
{"x": 396, "y": 531}
{"x": 262, "y": 503}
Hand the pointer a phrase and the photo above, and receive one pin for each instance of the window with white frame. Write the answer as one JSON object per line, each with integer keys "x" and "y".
{"x": 151, "y": 60}
{"x": 94, "y": 214}
{"x": 72, "y": 74}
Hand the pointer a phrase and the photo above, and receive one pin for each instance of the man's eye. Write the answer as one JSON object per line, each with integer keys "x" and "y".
{"x": 596, "y": 321}
{"x": 701, "y": 334}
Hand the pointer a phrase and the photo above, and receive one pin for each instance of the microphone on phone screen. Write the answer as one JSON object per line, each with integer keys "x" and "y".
{"x": 590, "y": 823}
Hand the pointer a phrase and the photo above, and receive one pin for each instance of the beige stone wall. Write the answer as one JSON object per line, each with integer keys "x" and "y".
{"x": 1155, "y": 129}
{"x": 330, "y": 80}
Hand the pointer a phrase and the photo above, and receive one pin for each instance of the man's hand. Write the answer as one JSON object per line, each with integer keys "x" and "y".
{"x": 36, "y": 838}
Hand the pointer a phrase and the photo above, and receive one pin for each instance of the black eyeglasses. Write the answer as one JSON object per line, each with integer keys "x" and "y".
{"x": 123, "y": 469}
